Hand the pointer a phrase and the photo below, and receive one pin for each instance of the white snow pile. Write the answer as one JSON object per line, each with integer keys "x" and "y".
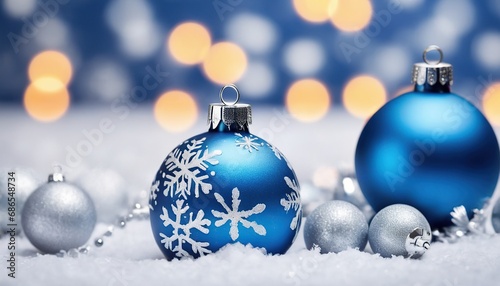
{"x": 131, "y": 257}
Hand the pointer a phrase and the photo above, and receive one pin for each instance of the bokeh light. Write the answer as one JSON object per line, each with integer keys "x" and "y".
{"x": 189, "y": 43}
{"x": 363, "y": 96}
{"x": 313, "y": 11}
{"x": 304, "y": 57}
{"x": 176, "y": 111}
{"x": 253, "y": 32}
{"x": 351, "y": 15}
{"x": 485, "y": 48}
{"x": 46, "y": 103}
{"x": 50, "y": 64}
{"x": 225, "y": 63}
{"x": 491, "y": 103}
{"x": 48, "y": 84}
{"x": 19, "y": 8}
{"x": 308, "y": 100}
{"x": 258, "y": 80}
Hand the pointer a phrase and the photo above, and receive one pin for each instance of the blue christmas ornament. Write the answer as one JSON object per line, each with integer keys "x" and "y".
{"x": 429, "y": 148}
{"x": 224, "y": 186}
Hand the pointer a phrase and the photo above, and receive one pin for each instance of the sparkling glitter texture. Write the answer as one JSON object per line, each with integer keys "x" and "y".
{"x": 336, "y": 226}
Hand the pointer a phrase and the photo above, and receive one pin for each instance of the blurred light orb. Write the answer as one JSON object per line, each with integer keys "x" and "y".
{"x": 253, "y": 32}
{"x": 315, "y": 11}
{"x": 363, "y": 96}
{"x": 140, "y": 38}
{"x": 175, "y": 111}
{"x": 304, "y": 57}
{"x": 308, "y": 100}
{"x": 189, "y": 43}
{"x": 225, "y": 63}
{"x": 50, "y": 64}
{"x": 54, "y": 35}
{"x": 46, "y": 104}
{"x": 462, "y": 19}
{"x": 390, "y": 63}
{"x": 351, "y": 15}
{"x": 105, "y": 80}
{"x": 410, "y": 4}
{"x": 133, "y": 22}
{"x": 486, "y": 50}
{"x": 491, "y": 103}
{"x": 19, "y": 8}
{"x": 258, "y": 80}
{"x": 48, "y": 84}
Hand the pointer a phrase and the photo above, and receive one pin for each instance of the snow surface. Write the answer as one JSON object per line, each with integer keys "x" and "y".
{"x": 136, "y": 148}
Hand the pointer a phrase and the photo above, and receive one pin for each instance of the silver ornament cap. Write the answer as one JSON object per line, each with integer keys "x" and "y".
{"x": 399, "y": 230}
{"x": 232, "y": 114}
{"x": 432, "y": 72}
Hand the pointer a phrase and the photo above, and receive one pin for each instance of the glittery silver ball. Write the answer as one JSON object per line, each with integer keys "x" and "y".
{"x": 336, "y": 226}
{"x": 26, "y": 181}
{"x": 495, "y": 217}
{"x": 390, "y": 227}
{"x": 58, "y": 216}
{"x": 107, "y": 189}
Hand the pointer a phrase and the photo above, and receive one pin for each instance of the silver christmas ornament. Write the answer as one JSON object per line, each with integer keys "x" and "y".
{"x": 336, "y": 226}
{"x": 495, "y": 217}
{"x": 58, "y": 216}
{"x": 26, "y": 181}
{"x": 107, "y": 189}
{"x": 347, "y": 189}
{"x": 399, "y": 230}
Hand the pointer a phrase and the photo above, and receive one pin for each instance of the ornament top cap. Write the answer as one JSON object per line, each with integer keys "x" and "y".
{"x": 57, "y": 176}
{"x": 432, "y": 71}
{"x": 231, "y": 113}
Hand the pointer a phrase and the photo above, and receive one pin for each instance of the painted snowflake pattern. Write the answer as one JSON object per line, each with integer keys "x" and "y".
{"x": 279, "y": 155}
{"x": 248, "y": 142}
{"x": 153, "y": 193}
{"x": 235, "y": 216}
{"x": 181, "y": 233}
{"x": 188, "y": 167}
{"x": 292, "y": 201}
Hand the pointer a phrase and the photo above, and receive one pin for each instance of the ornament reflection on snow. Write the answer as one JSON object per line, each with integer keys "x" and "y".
{"x": 224, "y": 186}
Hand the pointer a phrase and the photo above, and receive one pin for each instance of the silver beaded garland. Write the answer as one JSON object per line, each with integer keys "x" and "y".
{"x": 399, "y": 230}
{"x": 58, "y": 216}
{"x": 336, "y": 226}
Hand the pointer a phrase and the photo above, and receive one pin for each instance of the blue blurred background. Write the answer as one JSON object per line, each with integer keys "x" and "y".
{"x": 105, "y": 50}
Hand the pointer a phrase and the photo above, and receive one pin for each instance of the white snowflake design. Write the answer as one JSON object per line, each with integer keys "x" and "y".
{"x": 235, "y": 216}
{"x": 279, "y": 155}
{"x": 248, "y": 142}
{"x": 187, "y": 166}
{"x": 153, "y": 193}
{"x": 292, "y": 201}
{"x": 181, "y": 233}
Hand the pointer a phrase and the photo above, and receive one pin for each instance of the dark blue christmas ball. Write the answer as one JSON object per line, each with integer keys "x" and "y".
{"x": 223, "y": 187}
{"x": 430, "y": 149}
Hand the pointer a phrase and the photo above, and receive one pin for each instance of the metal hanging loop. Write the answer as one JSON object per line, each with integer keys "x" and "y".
{"x": 222, "y": 97}
{"x": 430, "y": 49}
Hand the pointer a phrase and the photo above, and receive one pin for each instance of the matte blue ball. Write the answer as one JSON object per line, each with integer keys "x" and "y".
{"x": 433, "y": 151}
{"x": 215, "y": 174}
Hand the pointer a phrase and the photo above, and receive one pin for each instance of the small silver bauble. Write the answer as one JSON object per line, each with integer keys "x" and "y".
{"x": 58, "y": 216}
{"x": 336, "y": 226}
{"x": 107, "y": 189}
{"x": 399, "y": 230}
{"x": 26, "y": 181}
